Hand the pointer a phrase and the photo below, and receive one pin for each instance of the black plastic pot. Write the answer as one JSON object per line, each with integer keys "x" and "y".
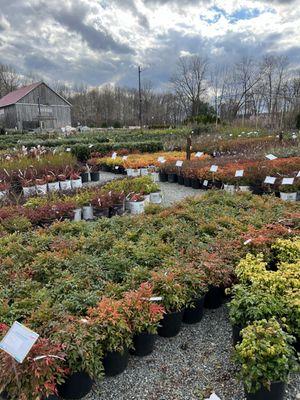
{"x": 276, "y": 392}
{"x": 106, "y": 168}
{"x": 213, "y": 298}
{"x": 180, "y": 179}
{"x": 187, "y": 182}
{"x": 297, "y": 344}
{"x": 95, "y": 176}
{"x": 195, "y": 183}
{"x": 101, "y": 212}
{"x": 236, "y": 334}
{"x": 217, "y": 184}
{"x": 115, "y": 363}
{"x": 84, "y": 177}
{"x": 170, "y": 324}
{"x": 76, "y": 386}
{"x": 172, "y": 178}
{"x": 117, "y": 209}
{"x": 143, "y": 344}
{"x": 192, "y": 315}
{"x": 163, "y": 177}
{"x": 256, "y": 189}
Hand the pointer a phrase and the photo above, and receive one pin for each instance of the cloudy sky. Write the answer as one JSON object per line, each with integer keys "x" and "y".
{"x": 103, "y": 41}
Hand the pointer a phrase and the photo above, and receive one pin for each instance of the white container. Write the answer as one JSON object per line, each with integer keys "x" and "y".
{"x": 244, "y": 188}
{"x": 65, "y": 185}
{"x": 144, "y": 171}
{"x": 156, "y": 198}
{"x": 136, "y": 172}
{"x": 155, "y": 176}
{"x": 3, "y": 193}
{"x": 136, "y": 207}
{"x": 77, "y": 214}
{"x": 29, "y": 191}
{"x": 129, "y": 171}
{"x": 41, "y": 189}
{"x": 229, "y": 188}
{"x": 76, "y": 183}
{"x": 147, "y": 199}
{"x": 87, "y": 213}
{"x": 288, "y": 196}
{"x": 53, "y": 186}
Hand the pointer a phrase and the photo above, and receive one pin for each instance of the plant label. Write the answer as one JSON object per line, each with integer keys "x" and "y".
{"x": 116, "y": 167}
{"x": 114, "y": 155}
{"x": 270, "y": 180}
{"x": 287, "y": 181}
{"x": 213, "y": 396}
{"x": 298, "y": 175}
{"x": 239, "y": 173}
{"x": 271, "y": 157}
{"x": 161, "y": 159}
{"x": 214, "y": 168}
{"x": 125, "y": 157}
{"x": 156, "y": 298}
{"x": 199, "y": 154}
{"x": 247, "y": 241}
{"x": 205, "y": 183}
{"x": 18, "y": 341}
{"x": 68, "y": 149}
{"x": 90, "y": 146}
{"x": 179, "y": 163}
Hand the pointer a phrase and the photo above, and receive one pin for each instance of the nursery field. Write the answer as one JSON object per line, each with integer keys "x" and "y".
{"x": 135, "y": 297}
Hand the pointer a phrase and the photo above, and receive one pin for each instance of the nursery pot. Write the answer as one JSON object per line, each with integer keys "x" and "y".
{"x": 41, "y": 189}
{"x": 194, "y": 313}
{"x": 229, "y": 188}
{"x": 76, "y": 183}
{"x": 115, "y": 362}
{"x": 213, "y": 298}
{"x": 170, "y": 324}
{"x": 195, "y": 183}
{"x": 117, "y": 209}
{"x": 84, "y": 177}
{"x": 29, "y": 191}
{"x": 95, "y": 176}
{"x": 87, "y": 213}
{"x": 3, "y": 193}
{"x": 156, "y": 197}
{"x": 65, "y": 185}
{"x": 76, "y": 386}
{"x": 180, "y": 179}
{"x": 288, "y": 196}
{"x": 136, "y": 207}
{"x": 163, "y": 177}
{"x": 236, "y": 334}
{"x": 172, "y": 178}
{"x": 77, "y": 214}
{"x": 143, "y": 344}
{"x": 101, "y": 212}
{"x": 144, "y": 171}
{"x": 217, "y": 184}
{"x": 244, "y": 188}
{"x": 276, "y": 392}
{"x": 187, "y": 182}
{"x": 53, "y": 186}
{"x": 155, "y": 176}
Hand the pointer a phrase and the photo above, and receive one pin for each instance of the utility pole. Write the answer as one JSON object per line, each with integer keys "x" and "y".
{"x": 140, "y": 97}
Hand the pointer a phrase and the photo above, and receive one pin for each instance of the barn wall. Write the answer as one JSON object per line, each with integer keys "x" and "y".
{"x": 9, "y": 118}
{"x": 46, "y": 96}
{"x": 55, "y": 116}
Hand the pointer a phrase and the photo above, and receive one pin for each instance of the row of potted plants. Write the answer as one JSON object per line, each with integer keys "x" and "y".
{"x": 72, "y": 283}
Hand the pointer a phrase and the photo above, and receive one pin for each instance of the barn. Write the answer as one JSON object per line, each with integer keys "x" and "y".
{"x": 34, "y": 106}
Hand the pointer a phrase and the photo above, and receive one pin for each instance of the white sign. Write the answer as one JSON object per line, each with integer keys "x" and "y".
{"x": 18, "y": 341}
{"x": 156, "y": 298}
{"x": 179, "y": 163}
{"x": 239, "y": 173}
{"x": 214, "y": 168}
{"x": 271, "y": 157}
{"x": 205, "y": 183}
{"x": 161, "y": 159}
{"x": 114, "y": 155}
{"x": 199, "y": 154}
{"x": 287, "y": 181}
{"x": 270, "y": 179}
{"x": 90, "y": 146}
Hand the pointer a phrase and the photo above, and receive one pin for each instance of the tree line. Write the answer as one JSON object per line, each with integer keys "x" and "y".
{"x": 263, "y": 92}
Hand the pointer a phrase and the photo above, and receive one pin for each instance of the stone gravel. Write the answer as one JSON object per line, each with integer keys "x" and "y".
{"x": 187, "y": 367}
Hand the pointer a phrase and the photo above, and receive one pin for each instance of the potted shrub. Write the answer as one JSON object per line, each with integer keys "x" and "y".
{"x": 101, "y": 205}
{"x": 41, "y": 186}
{"x": 87, "y": 211}
{"x": 64, "y": 182}
{"x": 76, "y": 180}
{"x": 52, "y": 182}
{"x": 173, "y": 296}
{"x": 85, "y": 174}
{"x": 28, "y": 187}
{"x": 289, "y": 192}
{"x": 135, "y": 203}
{"x": 143, "y": 315}
{"x": 266, "y": 358}
{"x": 117, "y": 206}
{"x": 4, "y": 187}
{"x": 110, "y": 325}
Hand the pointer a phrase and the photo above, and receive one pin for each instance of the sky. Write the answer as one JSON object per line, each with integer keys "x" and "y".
{"x": 98, "y": 42}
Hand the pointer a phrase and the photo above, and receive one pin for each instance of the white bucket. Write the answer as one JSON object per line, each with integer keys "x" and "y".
{"x": 136, "y": 172}
{"x": 53, "y": 186}
{"x": 155, "y": 176}
{"x": 77, "y": 214}
{"x": 87, "y": 213}
{"x": 144, "y": 171}
{"x": 156, "y": 198}
{"x": 129, "y": 171}
{"x": 29, "y": 191}
{"x": 76, "y": 183}
{"x": 244, "y": 188}
{"x": 65, "y": 185}
{"x": 229, "y": 188}
{"x": 41, "y": 189}
{"x": 3, "y": 193}
{"x": 288, "y": 196}
{"x": 137, "y": 207}
{"x": 147, "y": 199}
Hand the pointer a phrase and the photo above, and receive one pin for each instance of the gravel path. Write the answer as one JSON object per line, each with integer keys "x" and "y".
{"x": 187, "y": 367}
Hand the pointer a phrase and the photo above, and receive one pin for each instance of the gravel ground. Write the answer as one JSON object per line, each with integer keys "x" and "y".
{"x": 187, "y": 367}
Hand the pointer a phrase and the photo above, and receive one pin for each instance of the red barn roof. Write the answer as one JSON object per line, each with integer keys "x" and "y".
{"x": 16, "y": 95}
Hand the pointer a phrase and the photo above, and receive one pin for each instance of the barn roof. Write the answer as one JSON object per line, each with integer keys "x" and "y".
{"x": 15, "y": 96}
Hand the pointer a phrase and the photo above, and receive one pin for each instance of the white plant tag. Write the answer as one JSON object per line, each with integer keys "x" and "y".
{"x": 287, "y": 181}
{"x": 161, "y": 159}
{"x": 270, "y": 179}
{"x": 247, "y": 241}
{"x": 199, "y": 154}
{"x": 298, "y": 175}
{"x": 116, "y": 167}
{"x": 179, "y": 163}
{"x": 205, "y": 183}
{"x": 213, "y": 396}
{"x": 239, "y": 173}
{"x": 214, "y": 168}
{"x": 271, "y": 157}
{"x": 125, "y": 157}
{"x": 114, "y": 155}
{"x": 158, "y": 298}
{"x": 68, "y": 149}
{"x": 90, "y": 146}
{"x": 18, "y": 341}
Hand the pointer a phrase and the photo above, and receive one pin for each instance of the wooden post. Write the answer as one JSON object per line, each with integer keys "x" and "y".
{"x": 188, "y": 147}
